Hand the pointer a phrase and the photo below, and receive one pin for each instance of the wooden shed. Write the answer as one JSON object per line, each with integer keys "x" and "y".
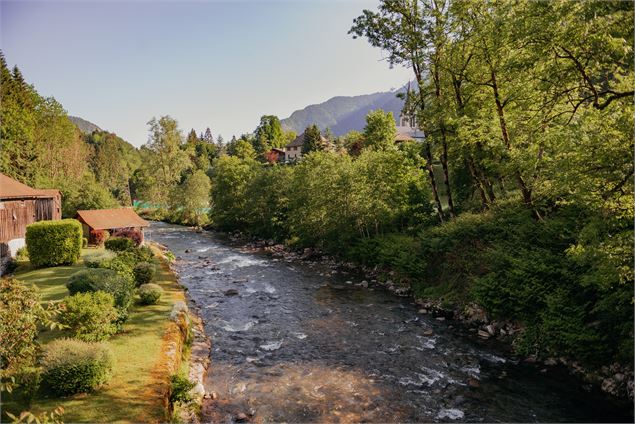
{"x": 21, "y": 205}
{"x": 110, "y": 220}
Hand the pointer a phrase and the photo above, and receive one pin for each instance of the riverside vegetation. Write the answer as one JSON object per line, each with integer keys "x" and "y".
{"x": 75, "y": 341}
{"x": 519, "y": 199}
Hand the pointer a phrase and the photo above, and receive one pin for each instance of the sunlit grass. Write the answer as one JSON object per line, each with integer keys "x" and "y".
{"x": 134, "y": 393}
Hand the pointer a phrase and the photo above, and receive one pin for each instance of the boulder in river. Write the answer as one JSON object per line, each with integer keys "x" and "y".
{"x": 483, "y": 334}
{"x": 231, "y": 292}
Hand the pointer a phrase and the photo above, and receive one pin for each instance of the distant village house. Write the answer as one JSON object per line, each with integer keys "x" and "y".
{"x": 293, "y": 150}
{"x": 21, "y": 205}
{"x": 110, "y": 220}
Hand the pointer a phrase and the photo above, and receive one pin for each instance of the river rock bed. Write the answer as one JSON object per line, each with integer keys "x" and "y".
{"x": 306, "y": 341}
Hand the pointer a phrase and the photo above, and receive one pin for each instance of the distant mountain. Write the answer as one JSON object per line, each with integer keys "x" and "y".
{"x": 344, "y": 113}
{"x": 84, "y": 126}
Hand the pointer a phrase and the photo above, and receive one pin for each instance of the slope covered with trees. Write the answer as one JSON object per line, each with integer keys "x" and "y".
{"x": 519, "y": 199}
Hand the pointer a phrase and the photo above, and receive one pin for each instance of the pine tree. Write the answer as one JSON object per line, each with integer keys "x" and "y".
{"x": 207, "y": 137}
{"x": 313, "y": 140}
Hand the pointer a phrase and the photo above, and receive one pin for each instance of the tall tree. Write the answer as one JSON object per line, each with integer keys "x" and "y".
{"x": 207, "y": 137}
{"x": 167, "y": 160}
{"x": 313, "y": 140}
{"x": 268, "y": 135}
{"x": 380, "y": 131}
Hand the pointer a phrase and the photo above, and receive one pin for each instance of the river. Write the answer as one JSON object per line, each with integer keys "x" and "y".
{"x": 294, "y": 342}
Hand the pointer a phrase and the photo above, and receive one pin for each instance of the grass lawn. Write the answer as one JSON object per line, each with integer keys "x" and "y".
{"x": 134, "y": 392}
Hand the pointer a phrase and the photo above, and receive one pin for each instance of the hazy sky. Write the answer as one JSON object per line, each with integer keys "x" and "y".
{"x": 220, "y": 64}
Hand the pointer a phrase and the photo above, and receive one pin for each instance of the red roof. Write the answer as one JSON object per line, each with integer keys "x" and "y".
{"x": 13, "y": 189}
{"x": 107, "y": 219}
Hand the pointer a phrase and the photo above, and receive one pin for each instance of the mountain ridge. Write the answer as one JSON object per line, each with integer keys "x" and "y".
{"x": 344, "y": 113}
{"x": 84, "y": 126}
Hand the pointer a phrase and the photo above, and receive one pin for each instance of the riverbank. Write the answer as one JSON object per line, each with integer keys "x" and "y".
{"x": 300, "y": 341}
{"x": 614, "y": 379}
{"x": 141, "y": 354}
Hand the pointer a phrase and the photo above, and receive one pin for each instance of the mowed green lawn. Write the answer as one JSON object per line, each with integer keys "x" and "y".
{"x": 133, "y": 394}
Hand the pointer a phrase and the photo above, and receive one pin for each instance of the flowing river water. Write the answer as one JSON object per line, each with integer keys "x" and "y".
{"x": 293, "y": 342}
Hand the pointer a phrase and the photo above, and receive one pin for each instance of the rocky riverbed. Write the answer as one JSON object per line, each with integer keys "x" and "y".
{"x": 309, "y": 341}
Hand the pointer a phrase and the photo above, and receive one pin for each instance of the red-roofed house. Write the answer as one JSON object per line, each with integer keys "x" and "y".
{"x": 110, "y": 220}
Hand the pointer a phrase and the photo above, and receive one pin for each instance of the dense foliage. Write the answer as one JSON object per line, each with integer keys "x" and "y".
{"x": 121, "y": 287}
{"x": 52, "y": 243}
{"x": 520, "y": 197}
{"x": 150, "y": 293}
{"x": 20, "y": 315}
{"x": 119, "y": 244}
{"x": 90, "y": 316}
{"x": 144, "y": 273}
{"x": 74, "y": 366}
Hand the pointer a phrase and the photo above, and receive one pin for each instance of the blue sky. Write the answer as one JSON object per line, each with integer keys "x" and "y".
{"x": 220, "y": 64}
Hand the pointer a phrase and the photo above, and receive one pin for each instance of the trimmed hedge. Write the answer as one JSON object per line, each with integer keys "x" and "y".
{"x": 52, "y": 243}
{"x": 150, "y": 294}
{"x": 73, "y": 366}
{"x": 144, "y": 273}
{"x": 119, "y": 244}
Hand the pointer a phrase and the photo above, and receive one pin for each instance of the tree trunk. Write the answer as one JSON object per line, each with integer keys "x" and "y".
{"x": 444, "y": 142}
{"x": 479, "y": 185}
{"x": 526, "y": 191}
{"x": 427, "y": 149}
{"x": 433, "y": 184}
{"x": 446, "y": 175}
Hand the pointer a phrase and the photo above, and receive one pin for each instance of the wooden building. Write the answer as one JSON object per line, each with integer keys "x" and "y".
{"x": 21, "y": 205}
{"x": 110, "y": 220}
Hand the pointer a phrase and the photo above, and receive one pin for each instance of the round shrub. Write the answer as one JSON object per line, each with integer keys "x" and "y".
{"x": 119, "y": 244}
{"x": 90, "y": 316}
{"x": 52, "y": 243}
{"x": 144, "y": 273}
{"x": 106, "y": 280}
{"x": 95, "y": 259}
{"x": 150, "y": 294}
{"x": 74, "y": 366}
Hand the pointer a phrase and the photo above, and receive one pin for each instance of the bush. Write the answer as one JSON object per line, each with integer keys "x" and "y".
{"x": 90, "y": 316}
{"x": 150, "y": 293}
{"x": 180, "y": 388}
{"x": 130, "y": 233}
{"x": 52, "y": 243}
{"x": 84, "y": 242}
{"x": 106, "y": 280}
{"x": 74, "y": 366}
{"x": 95, "y": 259}
{"x": 22, "y": 254}
{"x": 144, "y": 273}
{"x": 99, "y": 236}
{"x": 19, "y": 319}
{"x": 119, "y": 244}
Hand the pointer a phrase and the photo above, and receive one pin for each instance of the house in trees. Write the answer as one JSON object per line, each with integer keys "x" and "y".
{"x": 21, "y": 205}
{"x": 293, "y": 150}
{"x": 110, "y": 220}
{"x": 277, "y": 155}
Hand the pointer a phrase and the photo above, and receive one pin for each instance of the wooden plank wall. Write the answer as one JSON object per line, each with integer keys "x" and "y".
{"x": 14, "y": 217}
